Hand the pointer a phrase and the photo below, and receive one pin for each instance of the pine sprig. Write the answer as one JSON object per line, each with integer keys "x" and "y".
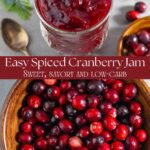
{"x": 21, "y": 7}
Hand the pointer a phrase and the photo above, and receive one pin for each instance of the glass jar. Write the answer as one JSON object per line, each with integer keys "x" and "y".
{"x": 74, "y": 43}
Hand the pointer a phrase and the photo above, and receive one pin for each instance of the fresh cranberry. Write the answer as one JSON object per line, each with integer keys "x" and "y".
{"x": 107, "y": 136}
{"x": 140, "y": 7}
{"x": 62, "y": 99}
{"x": 112, "y": 113}
{"x": 136, "y": 107}
{"x": 55, "y": 130}
{"x": 132, "y": 15}
{"x": 111, "y": 96}
{"x": 38, "y": 87}
{"x": 79, "y": 102}
{"x": 84, "y": 132}
{"x": 96, "y": 128}
{"x": 27, "y": 147}
{"x": 50, "y": 82}
{"x": 65, "y": 86}
{"x": 117, "y": 146}
{"x": 121, "y": 132}
{"x": 27, "y": 113}
{"x": 129, "y": 91}
{"x": 48, "y": 105}
{"x": 58, "y": 113}
{"x": 80, "y": 120}
{"x": 109, "y": 81}
{"x": 105, "y": 107}
{"x": 130, "y": 41}
{"x": 26, "y": 127}
{"x": 24, "y": 138}
{"x": 141, "y": 135}
{"x": 104, "y": 146}
{"x": 93, "y": 114}
{"x": 136, "y": 120}
{"x": 140, "y": 49}
{"x": 66, "y": 126}
{"x": 41, "y": 143}
{"x": 71, "y": 94}
{"x": 118, "y": 85}
{"x": 92, "y": 101}
{"x": 84, "y": 148}
{"x": 144, "y": 36}
{"x": 75, "y": 142}
{"x": 32, "y": 121}
{"x": 123, "y": 111}
{"x": 70, "y": 111}
{"x": 34, "y": 101}
{"x": 41, "y": 116}
{"x": 39, "y": 130}
{"x": 131, "y": 143}
{"x": 53, "y": 92}
{"x": 52, "y": 141}
{"x": 109, "y": 123}
{"x": 97, "y": 140}
{"x": 63, "y": 140}
{"x": 81, "y": 86}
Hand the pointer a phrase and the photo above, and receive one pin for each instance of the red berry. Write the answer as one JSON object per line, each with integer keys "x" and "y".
{"x": 41, "y": 143}
{"x": 118, "y": 85}
{"x": 131, "y": 143}
{"x": 136, "y": 120}
{"x": 52, "y": 141}
{"x": 107, "y": 136}
{"x": 27, "y": 113}
{"x": 34, "y": 101}
{"x": 39, "y": 130}
{"x": 62, "y": 99}
{"x": 24, "y": 138}
{"x": 96, "y": 128}
{"x": 26, "y": 127}
{"x": 53, "y": 92}
{"x": 132, "y": 15}
{"x": 144, "y": 36}
{"x": 63, "y": 140}
{"x": 65, "y": 86}
{"x": 112, "y": 113}
{"x": 105, "y": 107}
{"x": 27, "y": 147}
{"x": 140, "y": 49}
{"x": 41, "y": 116}
{"x": 93, "y": 101}
{"x": 140, "y": 7}
{"x": 136, "y": 107}
{"x": 141, "y": 135}
{"x": 66, "y": 125}
{"x": 75, "y": 142}
{"x": 50, "y": 82}
{"x": 58, "y": 113}
{"x": 117, "y": 146}
{"x": 84, "y": 132}
{"x": 80, "y": 120}
{"x": 121, "y": 132}
{"x": 104, "y": 146}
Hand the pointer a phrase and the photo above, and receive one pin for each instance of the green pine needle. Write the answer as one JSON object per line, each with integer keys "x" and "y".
{"x": 21, "y": 7}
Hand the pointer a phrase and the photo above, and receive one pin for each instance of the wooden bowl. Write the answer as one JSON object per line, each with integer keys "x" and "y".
{"x": 10, "y": 120}
{"x": 140, "y": 24}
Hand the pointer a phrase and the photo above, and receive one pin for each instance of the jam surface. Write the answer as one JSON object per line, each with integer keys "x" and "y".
{"x": 73, "y": 15}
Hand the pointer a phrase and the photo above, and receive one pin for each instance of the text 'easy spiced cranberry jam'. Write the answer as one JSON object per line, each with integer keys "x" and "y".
{"x": 70, "y": 25}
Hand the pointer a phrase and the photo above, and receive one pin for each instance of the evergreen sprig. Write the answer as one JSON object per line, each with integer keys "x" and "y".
{"x": 21, "y": 7}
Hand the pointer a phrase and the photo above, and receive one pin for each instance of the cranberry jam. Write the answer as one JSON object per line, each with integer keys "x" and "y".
{"x": 81, "y": 115}
{"x": 73, "y": 15}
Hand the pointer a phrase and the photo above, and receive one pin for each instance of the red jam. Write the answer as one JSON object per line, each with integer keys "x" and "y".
{"x": 74, "y": 15}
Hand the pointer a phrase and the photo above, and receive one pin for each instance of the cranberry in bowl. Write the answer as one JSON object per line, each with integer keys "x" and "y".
{"x": 70, "y": 25}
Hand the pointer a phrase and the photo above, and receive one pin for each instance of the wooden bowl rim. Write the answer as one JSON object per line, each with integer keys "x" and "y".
{"x": 119, "y": 47}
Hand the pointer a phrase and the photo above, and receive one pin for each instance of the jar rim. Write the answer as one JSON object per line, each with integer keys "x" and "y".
{"x": 72, "y": 32}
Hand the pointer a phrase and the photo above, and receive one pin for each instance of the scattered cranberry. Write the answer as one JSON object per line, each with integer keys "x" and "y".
{"x": 66, "y": 126}
{"x": 117, "y": 146}
{"x": 41, "y": 143}
{"x": 112, "y": 113}
{"x": 65, "y": 86}
{"x": 132, "y": 15}
{"x": 39, "y": 130}
{"x": 53, "y": 92}
{"x": 26, "y": 127}
{"x": 58, "y": 113}
{"x": 50, "y": 82}
{"x": 52, "y": 141}
{"x": 41, "y": 116}
{"x": 84, "y": 132}
{"x": 62, "y": 99}
{"x": 105, "y": 107}
{"x": 92, "y": 101}
{"x": 144, "y": 36}
{"x": 136, "y": 120}
{"x": 63, "y": 140}
{"x": 136, "y": 107}
{"x": 118, "y": 85}
{"x": 107, "y": 136}
{"x": 131, "y": 143}
{"x": 131, "y": 40}
{"x": 141, "y": 135}
{"x": 96, "y": 128}
{"x": 34, "y": 101}
{"x": 24, "y": 138}
{"x": 27, "y": 147}
{"x": 140, "y": 7}
{"x": 104, "y": 146}
{"x": 140, "y": 49}
{"x": 75, "y": 142}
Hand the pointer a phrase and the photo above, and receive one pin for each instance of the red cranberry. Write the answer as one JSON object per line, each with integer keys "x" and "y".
{"x": 80, "y": 120}
{"x": 118, "y": 85}
{"x": 92, "y": 101}
{"x": 48, "y": 106}
{"x": 132, "y": 15}
{"x": 109, "y": 81}
{"x": 140, "y": 7}
{"x": 63, "y": 140}
{"x": 27, "y": 147}
{"x": 79, "y": 102}
{"x": 32, "y": 121}
{"x": 24, "y": 138}
{"x": 136, "y": 120}
{"x": 34, "y": 101}
{"x": 130, "y": 42}
{"x": 84, "y": 148}
{"x": 105, "y": 107}
{"x": 104, "y": 146}
{"x": 117, "y": 146}
{"x": 136, "y": 107}
{"x": 41, "y": 116}
{"x": 93, "y": 114}
{"x": 84, "y": 132}
{"x": 50, "y": 82}
{"x": 39, "y": 130}
{"x": 81, "y": 86}
{"x": 41, "y": 143}
{"x": 53, "y": 92}
{"x": 112, "y": 113}
{"x": 75, "y": 142}
{"x": 107, "y": 136}
{"x": 111, "y": 96}
{"x": 26, "y": 127}
{"x": 70, "y": 111}
{"x": 66, "y": 126}
{"x": 96, "y": 128}
{"x": 131, "y": 143}
{"x": 109, "y": 123}
{"x": 62, "y": 99}
{"x": 58, "y": 113}
{"x": 140, "y": 49}
{"x": 97, "y": 140}
{"x": 52, "y": 141}
{"x": 141, "y": 135}
{"x": 65, "y": 86}
{"x": 38, "y": 87}
{"x": 144, "y": 36}
{"x": 121, "y": 132}
{"x": 27, "y": 113}
{"x": 55, "y": 130}
{"x": 129, "y": 91}
{"x": 71, "y": 94}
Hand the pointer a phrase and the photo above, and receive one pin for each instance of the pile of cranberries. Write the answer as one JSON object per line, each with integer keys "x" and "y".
{"x": 81, "y": 115}
{"x": 74, "y": 15}
{"x": 140, "y": 7}
{"x": 138, "y": 44}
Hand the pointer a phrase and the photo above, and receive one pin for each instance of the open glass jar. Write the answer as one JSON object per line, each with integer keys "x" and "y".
{"x": 72, "y": 39}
